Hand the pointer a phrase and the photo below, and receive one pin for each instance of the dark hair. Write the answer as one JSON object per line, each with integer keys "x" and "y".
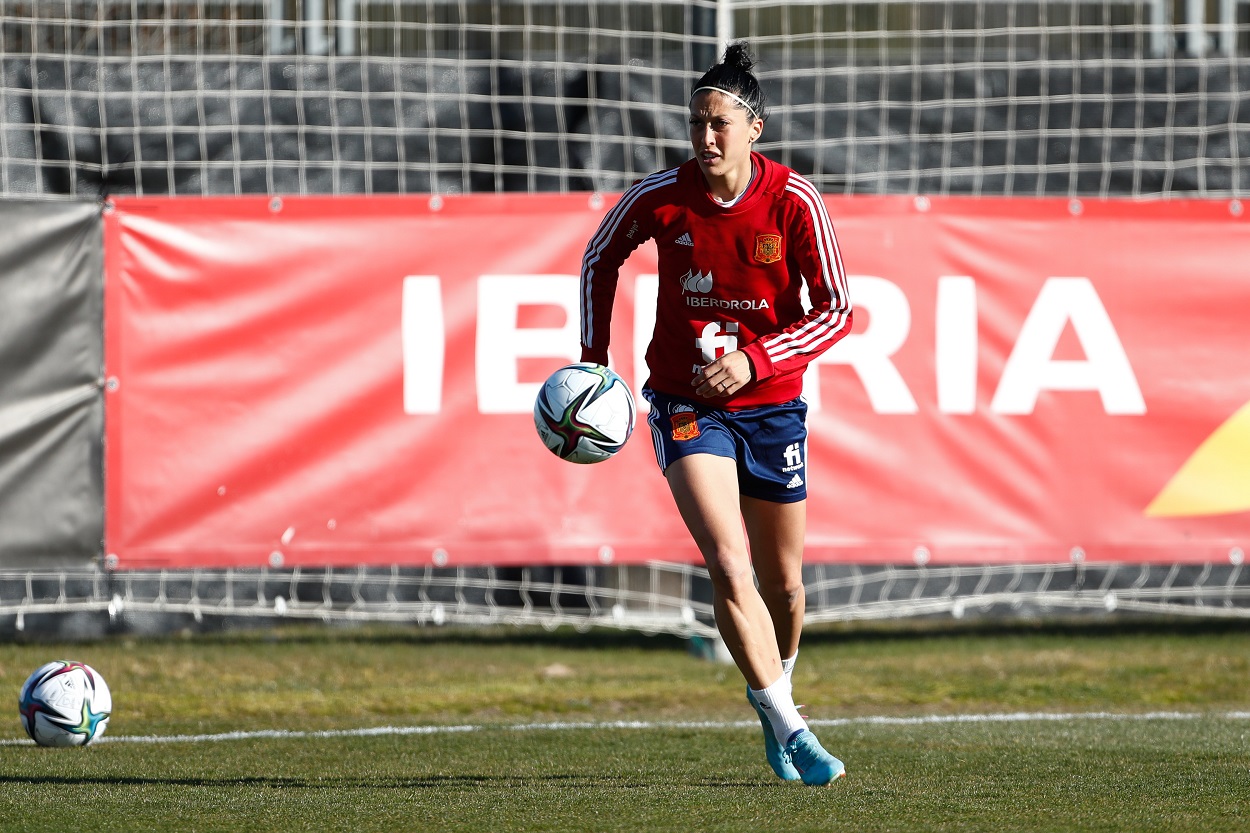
{"x": 733, "y": 74}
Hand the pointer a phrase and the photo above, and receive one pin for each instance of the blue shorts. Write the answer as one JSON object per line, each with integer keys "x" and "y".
{"x": 769, "y": 442}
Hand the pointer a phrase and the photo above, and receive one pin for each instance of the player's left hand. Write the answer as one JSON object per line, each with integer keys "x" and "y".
{"x": 723, "y": 377}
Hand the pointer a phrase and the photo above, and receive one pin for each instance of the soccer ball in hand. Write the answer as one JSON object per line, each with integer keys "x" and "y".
{"x": 65, "y": 704}
{"x": 584, "y": 413}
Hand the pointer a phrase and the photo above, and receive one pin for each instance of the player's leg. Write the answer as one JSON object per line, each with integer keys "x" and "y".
{"x": 772, "y": 443}
{"x": 772, "y": 475}
{"x": 705, "y": 489}
{"x": 704, "y": 486}
{"x": 698, "y": 454}
{"x": 776, "y": 533}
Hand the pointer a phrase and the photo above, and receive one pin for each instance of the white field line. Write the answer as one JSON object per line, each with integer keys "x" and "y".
{"x": 922, "y": 720}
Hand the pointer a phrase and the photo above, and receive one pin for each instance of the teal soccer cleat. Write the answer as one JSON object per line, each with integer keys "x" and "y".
{"x": 816, "y": 766}
{"x": 778, "y": 759}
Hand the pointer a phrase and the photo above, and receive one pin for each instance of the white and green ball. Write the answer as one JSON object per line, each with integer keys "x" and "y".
{"x": 584, "y": 413}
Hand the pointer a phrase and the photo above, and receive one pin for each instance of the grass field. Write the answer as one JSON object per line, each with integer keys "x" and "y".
{"x": 1081, "y": 726}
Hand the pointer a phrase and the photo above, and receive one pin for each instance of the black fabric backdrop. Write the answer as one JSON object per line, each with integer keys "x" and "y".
{"x": 51, "y": 406}
{"x": 247, "y": 125}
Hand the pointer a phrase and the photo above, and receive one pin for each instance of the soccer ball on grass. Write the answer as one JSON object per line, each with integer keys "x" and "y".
{"x": 65, "y": 703}
{"x": 584, "y": 413}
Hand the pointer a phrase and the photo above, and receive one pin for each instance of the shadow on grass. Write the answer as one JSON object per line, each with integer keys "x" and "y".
{"x": 594, "y": 639}
{"x": 1074, "y": 627}
{"x": 564, "y": 637}
{"x": 432, "y": 782}
{"x": 609, "y": 639}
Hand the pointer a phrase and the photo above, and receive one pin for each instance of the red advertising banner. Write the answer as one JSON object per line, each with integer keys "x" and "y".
{"x": 338, "y": 381}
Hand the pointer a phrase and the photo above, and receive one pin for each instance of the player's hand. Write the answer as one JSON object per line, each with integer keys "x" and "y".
{"x": 723, "y": 377}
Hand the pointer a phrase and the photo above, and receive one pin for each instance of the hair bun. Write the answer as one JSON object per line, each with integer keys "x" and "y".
{"x": 738, "y": 56}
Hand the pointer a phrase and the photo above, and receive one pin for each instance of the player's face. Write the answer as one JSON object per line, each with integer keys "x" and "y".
{"x": 721, "y": 133}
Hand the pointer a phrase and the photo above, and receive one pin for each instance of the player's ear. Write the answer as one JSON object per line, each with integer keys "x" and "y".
{"x": 757, "y": 127}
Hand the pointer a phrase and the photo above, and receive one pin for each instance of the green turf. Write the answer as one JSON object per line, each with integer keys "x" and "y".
{"x": 1115, "y": 774}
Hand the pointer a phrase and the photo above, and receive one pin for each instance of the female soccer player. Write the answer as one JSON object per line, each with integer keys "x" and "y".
{"x": 737, "y": 237}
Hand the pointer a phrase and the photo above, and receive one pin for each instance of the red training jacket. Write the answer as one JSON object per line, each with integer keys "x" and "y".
{"x": 730, "y": 279}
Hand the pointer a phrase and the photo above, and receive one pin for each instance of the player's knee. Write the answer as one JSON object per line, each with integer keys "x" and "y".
{"x": 730, "y": 576}
{"x": 787, "y": 593}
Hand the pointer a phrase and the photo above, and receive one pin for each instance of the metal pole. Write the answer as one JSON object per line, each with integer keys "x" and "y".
{"x": 314, "y": 26}
{"x": 277, "y": 27}
{"x": 724, "y": 25}
{"x": 1228, "y": 27}
{"x": 1195, "y": 27}
{"x": 345, "y": 38}
{"x": 1159, "y": 25}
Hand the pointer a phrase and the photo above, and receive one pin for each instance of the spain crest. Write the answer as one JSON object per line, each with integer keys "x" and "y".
{"x": 685, "y": 426}
{"x": 767, "y": 248}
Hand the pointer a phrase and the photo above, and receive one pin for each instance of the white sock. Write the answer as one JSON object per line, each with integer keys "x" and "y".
{"x": 787, "y": 665}
{"x": 778, "y": 704}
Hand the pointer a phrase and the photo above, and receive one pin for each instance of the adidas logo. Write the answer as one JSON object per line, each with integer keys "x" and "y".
{"x": 684, "y": 240}
{"x": 795, "y": 482}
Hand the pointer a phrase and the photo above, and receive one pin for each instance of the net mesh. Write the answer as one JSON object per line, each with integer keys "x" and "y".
{"x": 655, "y": 598}
{"x": 1003, "y": 97}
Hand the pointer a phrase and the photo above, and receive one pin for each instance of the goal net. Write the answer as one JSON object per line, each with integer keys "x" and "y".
{"x": 654, "y": 598}
{"x": 1090, "y": 98}
{"x": 997, "y": 97}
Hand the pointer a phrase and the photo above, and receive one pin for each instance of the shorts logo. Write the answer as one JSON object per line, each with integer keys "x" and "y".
{"x": 685, "y": 426}
{"x": 767, "y": 248}
{"x": 794, "y": 457}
